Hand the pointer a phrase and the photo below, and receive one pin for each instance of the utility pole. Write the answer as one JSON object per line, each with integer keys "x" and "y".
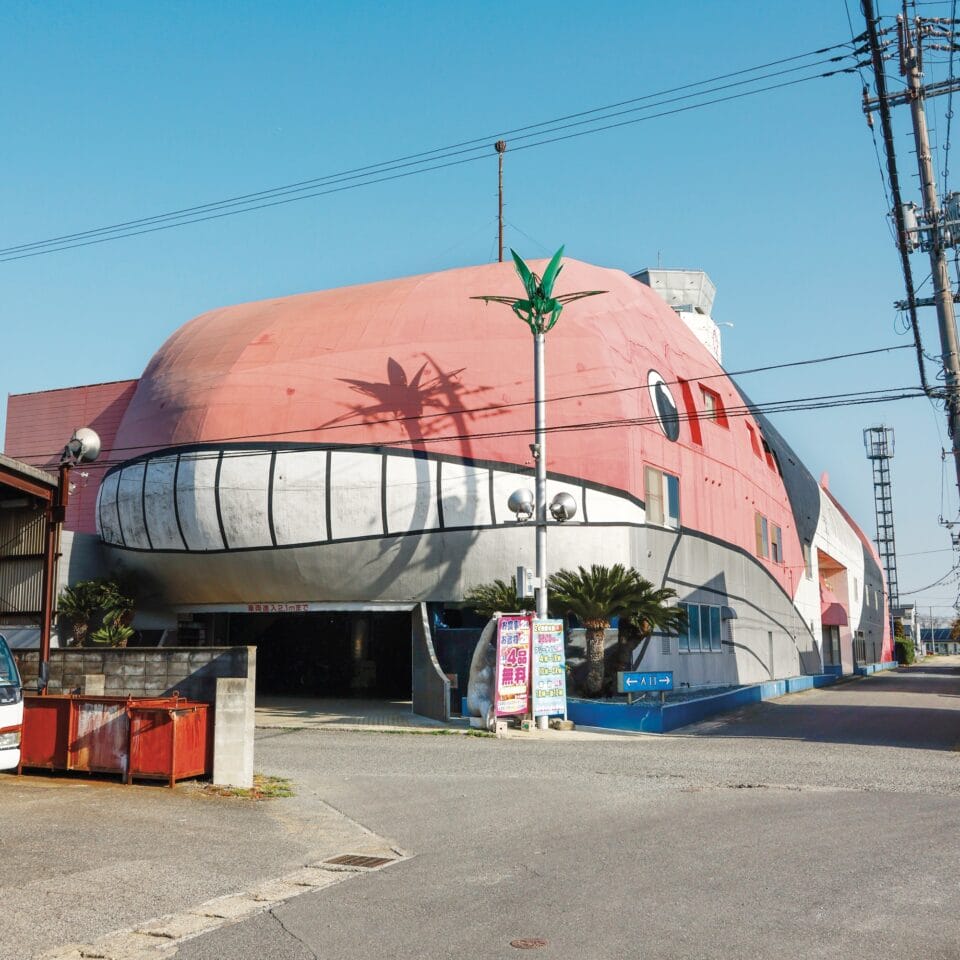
{"x": 910, "y": 54}
{"x": 501, "y": 147}
{"x": 930, "y": 230}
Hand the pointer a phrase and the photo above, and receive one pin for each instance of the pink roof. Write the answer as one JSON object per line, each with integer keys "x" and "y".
{"x": 405, "y": 361}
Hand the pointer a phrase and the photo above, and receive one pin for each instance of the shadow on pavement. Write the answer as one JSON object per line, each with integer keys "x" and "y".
{"x": 884, "y": 710}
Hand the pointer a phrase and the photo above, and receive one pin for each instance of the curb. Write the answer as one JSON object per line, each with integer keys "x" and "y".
{"x": 160, "y": 937}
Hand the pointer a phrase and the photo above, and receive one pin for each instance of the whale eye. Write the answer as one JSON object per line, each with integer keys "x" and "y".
{"x": 664, "y": 406}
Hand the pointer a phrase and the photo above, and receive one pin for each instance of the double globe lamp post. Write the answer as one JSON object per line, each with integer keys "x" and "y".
{"x": 539, "y": 310}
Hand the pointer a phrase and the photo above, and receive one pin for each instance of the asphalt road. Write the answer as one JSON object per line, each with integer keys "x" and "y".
{"x": 820, "y": 825}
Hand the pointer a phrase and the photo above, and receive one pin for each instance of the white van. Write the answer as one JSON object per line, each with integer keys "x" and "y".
{"x": 11, "y": 708}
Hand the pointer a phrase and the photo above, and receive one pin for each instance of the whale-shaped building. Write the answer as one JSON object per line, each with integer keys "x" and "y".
{"x": 354, "y": 450}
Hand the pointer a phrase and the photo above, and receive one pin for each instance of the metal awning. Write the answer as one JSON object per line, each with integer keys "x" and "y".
{"x": 832, "y": 612}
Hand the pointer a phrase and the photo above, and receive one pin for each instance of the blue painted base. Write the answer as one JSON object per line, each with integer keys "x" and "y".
{"x": 865, "y": 669}
{"x": 652, "y": 718}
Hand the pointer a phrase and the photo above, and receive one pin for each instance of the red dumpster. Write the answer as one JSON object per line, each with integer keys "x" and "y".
{"x": 99, "y": 735}
{"x": 46, "y": 732}
{"x": 169, "y": 741}
{"x": 165, "y": 738}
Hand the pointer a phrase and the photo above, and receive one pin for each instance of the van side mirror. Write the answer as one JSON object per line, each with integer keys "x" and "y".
{"x": 43, "y": 676}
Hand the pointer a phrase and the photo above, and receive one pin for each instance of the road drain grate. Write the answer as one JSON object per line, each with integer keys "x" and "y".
{"x": 354, "y": 860}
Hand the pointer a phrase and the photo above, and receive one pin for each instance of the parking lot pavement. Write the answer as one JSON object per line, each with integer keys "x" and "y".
{"x": 82, "y": 859}
{"x": 788, "y": 830}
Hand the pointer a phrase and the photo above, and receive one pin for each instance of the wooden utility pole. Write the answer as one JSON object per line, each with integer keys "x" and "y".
{"x": 501, "y": 147}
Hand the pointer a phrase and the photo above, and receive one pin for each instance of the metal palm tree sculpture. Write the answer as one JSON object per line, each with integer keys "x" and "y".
{"x": 541, "y": 309}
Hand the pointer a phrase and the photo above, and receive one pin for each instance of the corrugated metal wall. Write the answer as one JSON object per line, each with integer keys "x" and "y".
{"x": 21, "y": 565}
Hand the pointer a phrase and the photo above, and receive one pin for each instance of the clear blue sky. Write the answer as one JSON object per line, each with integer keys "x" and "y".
{"x": 118, "y": 110}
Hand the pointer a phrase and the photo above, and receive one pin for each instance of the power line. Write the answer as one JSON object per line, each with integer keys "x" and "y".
{"x": 424, "y": 162}
{"x": 923, "y": 553}
{"x": 886, "y": 126}
{"x": 929, "y": 586}
{"x": 825, "y": 402}
{"x": 495, "y": 407}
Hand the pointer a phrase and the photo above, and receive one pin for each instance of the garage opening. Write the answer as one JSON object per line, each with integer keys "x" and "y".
{"x": 333, "y": 655}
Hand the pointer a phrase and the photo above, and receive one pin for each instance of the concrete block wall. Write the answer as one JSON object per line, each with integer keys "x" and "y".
{"x": 143, "y": 671}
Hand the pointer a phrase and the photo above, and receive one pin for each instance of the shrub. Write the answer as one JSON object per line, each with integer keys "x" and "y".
{"x": 905, "y": 651}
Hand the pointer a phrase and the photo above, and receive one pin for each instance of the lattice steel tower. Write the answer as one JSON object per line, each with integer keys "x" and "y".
{"x": 879, "y": 444}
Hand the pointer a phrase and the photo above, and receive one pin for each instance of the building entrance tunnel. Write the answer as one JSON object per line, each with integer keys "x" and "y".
{"x": 333, "y": 655}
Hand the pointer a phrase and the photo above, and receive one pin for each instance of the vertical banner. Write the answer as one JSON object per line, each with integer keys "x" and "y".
{"x": 513, "y": 664}
{"x": 549, "y": 669}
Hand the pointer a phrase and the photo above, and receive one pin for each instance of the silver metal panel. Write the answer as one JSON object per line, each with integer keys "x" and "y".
{"x": 465, "y": 495}
{"x": 159, "y": 507}
{"x": 355, "y": 502}
{"x": 244, "y": 482}
{"x": 411, "y": 494}
{"x": 108, "y": 524}
{"x": 197, "y": 502}
{"x": 299, "y": 496}
{"x": 130, "y": 506}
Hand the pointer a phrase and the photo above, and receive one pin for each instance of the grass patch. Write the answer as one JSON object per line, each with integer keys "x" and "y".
{"x": 418, "y": 732}
{"x": 264, "y": 788}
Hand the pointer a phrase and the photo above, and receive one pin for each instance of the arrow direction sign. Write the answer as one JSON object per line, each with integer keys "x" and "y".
{"x": 634, "y": 682}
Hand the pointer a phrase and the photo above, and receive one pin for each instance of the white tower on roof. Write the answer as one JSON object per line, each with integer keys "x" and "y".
{"x": 690, "y": 293}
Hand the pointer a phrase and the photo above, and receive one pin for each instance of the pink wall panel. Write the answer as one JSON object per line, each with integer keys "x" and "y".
{"x": 39, "y": 424}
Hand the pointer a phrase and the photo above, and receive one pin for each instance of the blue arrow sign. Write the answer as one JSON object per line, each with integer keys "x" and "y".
{"x": 634, "y": 682}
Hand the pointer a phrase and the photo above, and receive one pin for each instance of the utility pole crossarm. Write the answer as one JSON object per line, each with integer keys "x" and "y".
{"x": 929, "y": 91}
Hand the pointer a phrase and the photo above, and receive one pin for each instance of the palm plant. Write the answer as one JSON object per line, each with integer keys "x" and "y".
{"x": 497, "y": 597}
{"x": 595, "y": 597}
{"x": 652, "y": 610}
{"x": 115, "y": 603}
{"x": 102, "y": 601}
{"x": 114, "y": 632}
{"x": 78, "y": 604}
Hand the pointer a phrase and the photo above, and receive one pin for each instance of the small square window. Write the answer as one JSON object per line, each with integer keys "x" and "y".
{"x": 663, "y": 498}
{"x": 763, "y": 535}
{"x": 768, "y": 454}
{"x": 710, "y": 404}
{"x": 653, "y": 482}
{"x": 694, "y": 628}
{"x": 776, "y": 544}
{"x": 716, "y": 643}
{"x": 713, "y": 406}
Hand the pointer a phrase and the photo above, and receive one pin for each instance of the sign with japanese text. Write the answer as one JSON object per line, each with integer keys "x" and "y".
{"x": 278, "y": 607}
{"x": 549, "y": 669}
{"x": 513, "y": 664}
{"x": 630, "y": 681}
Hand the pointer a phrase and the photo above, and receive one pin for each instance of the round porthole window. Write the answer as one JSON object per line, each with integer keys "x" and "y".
{"x": 664, "y": 406}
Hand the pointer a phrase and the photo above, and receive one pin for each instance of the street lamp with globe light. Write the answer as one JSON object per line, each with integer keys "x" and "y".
{"x": 540, "y": 311}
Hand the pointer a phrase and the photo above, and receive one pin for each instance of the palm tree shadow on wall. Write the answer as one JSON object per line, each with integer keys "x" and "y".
{"x": 429, "y": 405}
{"x": 423, "y": 404}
